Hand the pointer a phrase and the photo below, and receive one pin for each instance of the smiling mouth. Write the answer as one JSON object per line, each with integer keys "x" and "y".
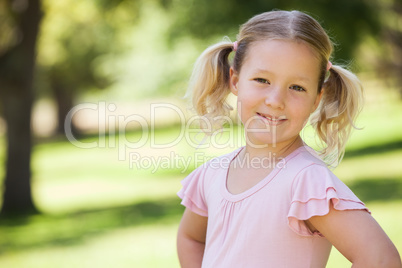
{"x": 271, "y": 119}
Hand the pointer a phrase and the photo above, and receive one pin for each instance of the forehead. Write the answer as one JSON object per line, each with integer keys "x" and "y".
{"x": 282, "y": 56}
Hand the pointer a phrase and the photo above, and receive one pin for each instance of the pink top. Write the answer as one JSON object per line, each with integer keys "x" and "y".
{"x": 263, "y": 226}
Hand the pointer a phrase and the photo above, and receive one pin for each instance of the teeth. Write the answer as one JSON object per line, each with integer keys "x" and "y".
{"x": 271, "y": 119}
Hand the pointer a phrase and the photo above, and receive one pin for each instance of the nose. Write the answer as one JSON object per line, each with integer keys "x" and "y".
{"x": 276, "y": 97}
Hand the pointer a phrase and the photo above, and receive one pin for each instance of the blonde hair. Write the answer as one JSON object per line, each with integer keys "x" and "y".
{"x": 342, "y": 96}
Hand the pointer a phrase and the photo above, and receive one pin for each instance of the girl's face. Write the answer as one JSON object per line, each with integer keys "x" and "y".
{"x": 276, "y": 90}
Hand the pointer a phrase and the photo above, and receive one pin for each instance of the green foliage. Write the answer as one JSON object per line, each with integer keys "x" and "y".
{"x": 7, "y": 28}
{"x": 77, "y": 37}
{"x": 347, "y": 21}
{"x": 145, "y": 47}
{"x": 389, "y": 49}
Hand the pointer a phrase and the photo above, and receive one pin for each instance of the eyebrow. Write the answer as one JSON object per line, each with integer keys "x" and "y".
{"x": 299, "y": 78}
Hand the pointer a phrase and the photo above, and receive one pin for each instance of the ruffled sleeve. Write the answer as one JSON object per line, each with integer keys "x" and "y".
{"x": 312, "y": 191}
{"x": 192, "y": 193}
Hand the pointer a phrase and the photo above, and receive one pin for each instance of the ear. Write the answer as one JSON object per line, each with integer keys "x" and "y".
{"x": 234, "y": 79}
{"x": 318, "y": 99}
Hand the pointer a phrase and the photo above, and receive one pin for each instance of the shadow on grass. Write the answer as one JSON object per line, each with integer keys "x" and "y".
{"x": 375, "y": 149}
{"x": 384, "y": 189}
{"x": 73, "y": 229}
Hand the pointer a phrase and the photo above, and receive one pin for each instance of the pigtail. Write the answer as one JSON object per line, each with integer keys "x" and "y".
{"x": 210, "y": 83}
{"x": 333, "y": 120}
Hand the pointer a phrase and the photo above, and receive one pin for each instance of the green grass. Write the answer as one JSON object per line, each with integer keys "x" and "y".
{"x": 98, "y": 211}
{"x": 139, "y": 246}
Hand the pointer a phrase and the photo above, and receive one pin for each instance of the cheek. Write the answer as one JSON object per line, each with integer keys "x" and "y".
{"x": 249, "y": 95}
{"x": 245, "y": 98}
{"x": 302, "y": 110}
{"x": 247, "y": 104}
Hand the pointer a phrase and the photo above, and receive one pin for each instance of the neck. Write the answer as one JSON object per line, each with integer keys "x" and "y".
{"x": 276, "y": 152}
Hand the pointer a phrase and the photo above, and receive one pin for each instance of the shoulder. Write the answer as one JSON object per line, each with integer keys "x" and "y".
{"x": 219, "y": 162}
{"x": 200, "y": 180}
{"x": 315, "y": 180}
{"x": 308, "y": 156}
{"x": 211, "y": 169}
{"x": 304, "y": 159}
{"x": 310, "y": 172}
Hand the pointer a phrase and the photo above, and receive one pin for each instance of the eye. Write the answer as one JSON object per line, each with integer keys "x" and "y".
{"x": 297, "y": 88}
{"x": 261, "y": 81}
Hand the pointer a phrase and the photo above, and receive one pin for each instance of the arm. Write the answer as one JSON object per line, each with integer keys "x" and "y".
{"x": 191, "y": 239}
{"x": 358, "y": 237}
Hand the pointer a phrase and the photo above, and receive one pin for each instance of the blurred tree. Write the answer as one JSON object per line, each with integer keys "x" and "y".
{"x": 76, "y": 38}
{"x": 79, "y": 39}
{"x": 19, "y": 25}
{"x": 347, "y": 21}
{"x": 390, "y": 43}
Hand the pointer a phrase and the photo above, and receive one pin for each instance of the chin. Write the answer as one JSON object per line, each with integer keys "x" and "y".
{"x": 261, "y": 142}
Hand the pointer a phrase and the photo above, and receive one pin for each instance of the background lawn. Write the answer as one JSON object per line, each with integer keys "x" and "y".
{"x": 99, "y": 211}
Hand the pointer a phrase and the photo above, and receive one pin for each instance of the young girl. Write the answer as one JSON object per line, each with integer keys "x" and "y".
{"x": 274, "y": 203}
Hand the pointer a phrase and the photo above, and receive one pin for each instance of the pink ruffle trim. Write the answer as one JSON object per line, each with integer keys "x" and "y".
{"x": 190, "y": 204}
{"x": 191, "y": 193}
{"x": 301, "y": 210}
